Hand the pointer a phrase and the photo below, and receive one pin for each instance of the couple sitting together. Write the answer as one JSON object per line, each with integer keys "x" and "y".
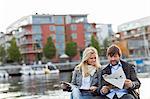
{"x": 88, "y": 80}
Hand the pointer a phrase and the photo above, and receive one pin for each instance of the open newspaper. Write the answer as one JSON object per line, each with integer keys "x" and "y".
{"x": 117, "y": 79}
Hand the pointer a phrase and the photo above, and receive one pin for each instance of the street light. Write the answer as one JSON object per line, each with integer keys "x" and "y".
{"x": 146, "y": 47}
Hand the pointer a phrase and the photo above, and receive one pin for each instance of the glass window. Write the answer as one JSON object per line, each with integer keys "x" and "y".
{"x": 73, "y": 27}
{"x": 79, "y": 19}
{"x": 42, "y": 19}
{"x": 60, "y": 29}
{"x": 37, "y": 37}
{"x": 36, "y": 29}
{"x": 74, "y": 35}
{"x": 68, "y": 19}
{"x": 52, "y": 28}
{"x": 60, "y": 38}
{"x": 60, "y": 43}
{"x": 88, "y": 27}
{"x": 87, "y": 38}
{"x": 59, "y": 20}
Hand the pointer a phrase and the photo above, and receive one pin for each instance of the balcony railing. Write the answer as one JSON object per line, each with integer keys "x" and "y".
{"x": 92, "y": 30}
{"x": 26, "y": 51}
{"x": 27, "y": 42}
{"x": 135, "y": 35}
{"x": 24, "y": 33}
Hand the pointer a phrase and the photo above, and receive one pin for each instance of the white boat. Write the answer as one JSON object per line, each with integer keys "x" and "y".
{"x": 38, "y": 71}
{"x": 27, "y": 70}
{"x": 51, "y": 68}
{"x": 4, "y": 87}
{"x": 4, "y": 74}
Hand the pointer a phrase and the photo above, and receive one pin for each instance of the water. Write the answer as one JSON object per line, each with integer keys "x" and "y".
{"x": 35, "y": 86}
{"x": 46, "y": 87}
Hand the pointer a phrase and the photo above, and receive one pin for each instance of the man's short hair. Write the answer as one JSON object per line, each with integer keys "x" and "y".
{"x": 112, "y": 50}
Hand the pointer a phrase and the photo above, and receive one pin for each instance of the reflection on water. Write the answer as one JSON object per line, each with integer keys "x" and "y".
{"x": 65, "y": 76}
{"x": 38, "y": 84}
{"x": 32, "y": 85}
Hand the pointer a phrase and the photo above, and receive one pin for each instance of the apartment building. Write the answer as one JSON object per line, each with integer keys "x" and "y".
{"x": 32, "y": 32}
{"x": 135, "y": 36}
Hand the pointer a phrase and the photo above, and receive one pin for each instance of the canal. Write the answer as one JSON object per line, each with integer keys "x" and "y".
{"x": 46, "y": 87}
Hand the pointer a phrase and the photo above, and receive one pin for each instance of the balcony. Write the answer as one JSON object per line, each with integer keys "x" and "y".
{"x": 138, "y": 35}
{"x": 25, "y": 42}
{"x": 93, "y": 30}
{"x": 23, "y": 33}
{"x": 31, "y": 50}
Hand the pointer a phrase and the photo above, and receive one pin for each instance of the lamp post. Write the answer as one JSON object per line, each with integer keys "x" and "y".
{"x": 146, "y": 47}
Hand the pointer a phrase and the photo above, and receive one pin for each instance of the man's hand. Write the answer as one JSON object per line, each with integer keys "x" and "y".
{"x": 93, "y": 88}
{"x": 105, "y": 89}
{"x": 128, "y": 83}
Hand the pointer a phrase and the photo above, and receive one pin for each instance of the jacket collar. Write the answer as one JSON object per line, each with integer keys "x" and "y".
{"x": 123, "y": 64}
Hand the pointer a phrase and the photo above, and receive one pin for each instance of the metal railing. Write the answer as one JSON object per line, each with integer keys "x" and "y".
{"x": 103, "y": 62}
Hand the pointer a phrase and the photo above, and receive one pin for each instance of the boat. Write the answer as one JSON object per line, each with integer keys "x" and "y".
{"x": 27, "y": 70}
{"x": 51, "y": 68}
{"x": 4, "y": 87}
{"x": 38, "y": 71}
{"x": 4, "y": 74}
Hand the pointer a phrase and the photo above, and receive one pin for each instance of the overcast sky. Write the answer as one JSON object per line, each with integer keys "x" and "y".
{"x": 113, "y": 12}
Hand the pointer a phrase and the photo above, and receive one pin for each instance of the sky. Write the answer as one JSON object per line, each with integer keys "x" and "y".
{"x": 113, "y": 12}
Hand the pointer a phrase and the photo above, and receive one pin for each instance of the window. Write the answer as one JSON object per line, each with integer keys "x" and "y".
{"x": 59, "y": 20}
{"x": 60, "y": 29}
{"x": 42, "y": 19}
{"x": 73, "y": 27}
{"x": 74, "y": 35}
{"x": 37, "y": 37}
{"x": 36, "y": 29}
{"x": 60, "y": 43}
{"x": 60, "y": 38}
{"x": 79, "y": 19}
{"x": 52, "y": 28}
{"x": 88, "y": 27}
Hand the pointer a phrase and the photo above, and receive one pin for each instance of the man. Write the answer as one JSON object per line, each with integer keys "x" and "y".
{"x": 131, "y": 82}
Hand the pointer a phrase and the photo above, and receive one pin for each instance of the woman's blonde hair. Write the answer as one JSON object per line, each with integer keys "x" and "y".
{"x": 86, "y": 55}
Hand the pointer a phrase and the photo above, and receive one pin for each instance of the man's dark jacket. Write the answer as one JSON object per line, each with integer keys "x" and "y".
{"x": 129, "y": 70}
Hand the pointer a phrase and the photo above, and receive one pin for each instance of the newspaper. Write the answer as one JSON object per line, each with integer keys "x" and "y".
{"x": 117, "y": 79}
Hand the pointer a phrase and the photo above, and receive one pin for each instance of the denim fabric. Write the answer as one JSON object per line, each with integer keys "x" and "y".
{"x": 77, "y": 94}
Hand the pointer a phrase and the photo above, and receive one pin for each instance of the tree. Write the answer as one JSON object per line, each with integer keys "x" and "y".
{"x": 13, "y": 51}
{"x": 49, "y": 49}
{"x": 95, "y": 43}
{"x": 71, "y": 49}
{"x": 2, "y": 54}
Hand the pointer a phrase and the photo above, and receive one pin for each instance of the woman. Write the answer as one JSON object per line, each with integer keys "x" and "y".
{"x": 86, "y": 76}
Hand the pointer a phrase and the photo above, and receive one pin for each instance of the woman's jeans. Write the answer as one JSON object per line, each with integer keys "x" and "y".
{"x": 77, "y": 94}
